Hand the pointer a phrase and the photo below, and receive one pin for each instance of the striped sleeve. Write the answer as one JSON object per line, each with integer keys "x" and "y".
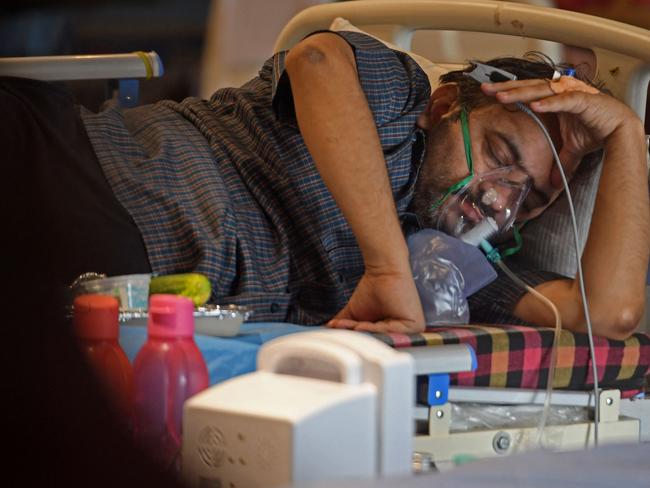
{"x": 392, "y": 82}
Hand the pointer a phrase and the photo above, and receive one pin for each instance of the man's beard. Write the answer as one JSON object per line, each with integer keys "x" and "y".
{"x": 436, "y": 175}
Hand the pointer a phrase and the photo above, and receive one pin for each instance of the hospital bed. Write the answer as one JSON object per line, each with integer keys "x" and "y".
{"x": 511, "y": 361}
{"x": 622, "y": 61}
{"x": 622, "y": 51}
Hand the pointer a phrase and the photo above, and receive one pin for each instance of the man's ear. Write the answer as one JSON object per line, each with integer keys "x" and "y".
{"x": 441, "y": 101}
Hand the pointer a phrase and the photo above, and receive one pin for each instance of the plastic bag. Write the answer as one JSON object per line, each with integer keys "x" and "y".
{"x": 472, "y": 416}
{"x": 446, "y": 271}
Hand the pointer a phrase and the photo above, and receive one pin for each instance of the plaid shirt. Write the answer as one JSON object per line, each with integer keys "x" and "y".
{"x": 227, "y": 188}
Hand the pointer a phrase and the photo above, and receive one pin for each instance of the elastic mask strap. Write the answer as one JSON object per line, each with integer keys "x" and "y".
{"x": 518, "y": 243}
{"x": 464, "y": 124}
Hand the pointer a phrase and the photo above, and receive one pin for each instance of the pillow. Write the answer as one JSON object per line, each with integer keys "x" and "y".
{"x": 432, "y": 70}
{"x": 548, "y": 240}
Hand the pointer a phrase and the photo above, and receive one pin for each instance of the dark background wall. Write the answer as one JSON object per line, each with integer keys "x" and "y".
{"x": 172, "y": 28}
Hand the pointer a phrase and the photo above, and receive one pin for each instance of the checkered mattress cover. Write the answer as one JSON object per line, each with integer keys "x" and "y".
{"x": 515, "y": 356}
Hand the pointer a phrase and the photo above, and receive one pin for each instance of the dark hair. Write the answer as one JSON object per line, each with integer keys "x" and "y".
{"x": 531, "y": 66}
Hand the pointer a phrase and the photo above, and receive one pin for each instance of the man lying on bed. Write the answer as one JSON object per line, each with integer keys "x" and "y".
{"x": 288, "y": 192}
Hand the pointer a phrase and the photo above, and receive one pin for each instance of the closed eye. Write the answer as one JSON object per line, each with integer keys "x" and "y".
{"x": 499, "y": 163}
{"x": 499, "y": 152}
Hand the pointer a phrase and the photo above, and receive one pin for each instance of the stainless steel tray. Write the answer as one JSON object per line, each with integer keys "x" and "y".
{"x": 213, "y": 320}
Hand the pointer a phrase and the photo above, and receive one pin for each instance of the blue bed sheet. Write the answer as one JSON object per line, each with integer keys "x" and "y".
{"x": 225, "y": 357}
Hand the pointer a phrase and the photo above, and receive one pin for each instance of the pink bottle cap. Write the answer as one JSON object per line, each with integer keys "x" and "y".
{"x": 170, "y": 316}
{"x": 96, "y": 317}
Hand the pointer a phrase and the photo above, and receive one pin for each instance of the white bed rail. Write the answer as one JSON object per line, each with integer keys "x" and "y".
{"x": 515, "y": 19}
{"x": 622, "y": 51}
{"x": 87, "y": 67}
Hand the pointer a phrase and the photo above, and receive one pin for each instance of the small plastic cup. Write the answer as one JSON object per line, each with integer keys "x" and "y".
{"x": 132, "y": 291}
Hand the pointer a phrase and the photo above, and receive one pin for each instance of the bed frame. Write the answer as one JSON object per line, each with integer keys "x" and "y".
{"x": 622, "y": 55}
{"x": 622, "y": 51}
{"x": 623, "y": 62}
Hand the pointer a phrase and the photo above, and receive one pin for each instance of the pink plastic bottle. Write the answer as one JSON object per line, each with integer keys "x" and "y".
{"x": 168, "y": 369}
{"x": 96, "y": 327}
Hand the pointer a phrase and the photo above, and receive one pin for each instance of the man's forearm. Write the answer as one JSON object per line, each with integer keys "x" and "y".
{"x": 615, "y": 259}
{"x": 340, "y": 133}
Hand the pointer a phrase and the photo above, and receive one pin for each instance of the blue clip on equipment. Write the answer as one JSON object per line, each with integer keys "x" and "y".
{"x": 433, "y": 388}
{"x": 128, "y": 92}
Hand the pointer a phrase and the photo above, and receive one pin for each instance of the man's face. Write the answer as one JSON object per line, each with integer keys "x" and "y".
{"x": 500, "y": 136}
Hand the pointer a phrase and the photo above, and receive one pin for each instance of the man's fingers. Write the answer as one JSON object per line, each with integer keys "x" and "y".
{"x": 530, "y": 90}
{"x": 337, "y": 323}
{"x": 524, "y": 91}
{"x": 541, "y": 98}
{"x": 571, "y": 102}
{"x": 494, "y": 88}
{"x": 381, "y": 326}
{"x": 385, "y": 326}
{"x": 564, "y": 84}
{"x": 526, "y": 94}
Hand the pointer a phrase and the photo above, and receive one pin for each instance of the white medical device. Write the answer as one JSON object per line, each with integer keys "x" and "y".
{"x": 322, "y": 404}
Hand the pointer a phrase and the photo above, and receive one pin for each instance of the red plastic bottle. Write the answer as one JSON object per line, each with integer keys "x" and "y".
{"x": 95, "y": 322}
{"x": 168, "y": 370}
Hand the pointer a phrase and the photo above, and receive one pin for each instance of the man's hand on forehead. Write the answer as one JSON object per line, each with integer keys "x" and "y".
{"x": 554, "y": 87}
{"x": 586, "y": 116}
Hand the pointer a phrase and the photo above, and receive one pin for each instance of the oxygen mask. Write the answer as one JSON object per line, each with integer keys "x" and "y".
{"x": 487, "y": 204}
{"x": 481, "y": 206}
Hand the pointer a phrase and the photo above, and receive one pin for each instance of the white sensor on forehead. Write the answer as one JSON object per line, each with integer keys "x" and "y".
{"x": 484, "y": 73}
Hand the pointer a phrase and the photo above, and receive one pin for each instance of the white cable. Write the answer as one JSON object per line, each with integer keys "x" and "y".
{"x": 592, "y": 349}
{"x": 556, "y": 341}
